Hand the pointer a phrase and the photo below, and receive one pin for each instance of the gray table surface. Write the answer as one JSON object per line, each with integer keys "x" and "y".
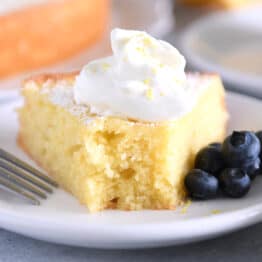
{"x": 244, "y": 245}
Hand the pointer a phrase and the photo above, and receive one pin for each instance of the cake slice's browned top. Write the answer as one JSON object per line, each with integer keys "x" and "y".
{"x": 42, "y": 78}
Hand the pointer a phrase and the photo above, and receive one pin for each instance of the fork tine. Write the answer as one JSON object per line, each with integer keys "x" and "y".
{"x": 25, "y": 175}
{"x": 19, "y": 181}
{"x": 10, "y": 186}
{"x": 9, "y": 157}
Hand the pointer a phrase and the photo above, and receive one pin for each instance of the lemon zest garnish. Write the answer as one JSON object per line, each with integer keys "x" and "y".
{"x": 186, "y": 206}
{"x": 105, "y": 66}
{"x": 147, "y": 42}
{"x": 146, "y": 81}
{"x": 149, "y": 94}
{"x": 141, "y": 50}
{"x": 154, "y": 70}
{"x": 161, "y": 65}
{"x": 216, "y": 211}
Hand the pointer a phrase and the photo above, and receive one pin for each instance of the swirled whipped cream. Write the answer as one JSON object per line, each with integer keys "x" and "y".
{"x": 11, "y": 5}
{"x": 144, "y": 79}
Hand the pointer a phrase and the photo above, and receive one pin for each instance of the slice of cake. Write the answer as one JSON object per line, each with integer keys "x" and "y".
{"x": 125, "y": 131}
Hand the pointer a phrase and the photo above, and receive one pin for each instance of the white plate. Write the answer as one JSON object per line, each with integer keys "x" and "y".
{"x": 229, "y": 43}
{"x": 61, "y": 219}
{"x": 8, "y": 95}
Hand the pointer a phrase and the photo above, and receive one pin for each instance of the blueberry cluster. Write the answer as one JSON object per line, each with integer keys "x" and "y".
{"x": 228, "y": 167}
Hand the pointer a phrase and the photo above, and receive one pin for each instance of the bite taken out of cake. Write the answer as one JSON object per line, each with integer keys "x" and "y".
{"x": 124, "y": 131}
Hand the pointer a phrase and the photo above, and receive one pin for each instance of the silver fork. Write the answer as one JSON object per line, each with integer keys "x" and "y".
{"x": 24, "y": 180}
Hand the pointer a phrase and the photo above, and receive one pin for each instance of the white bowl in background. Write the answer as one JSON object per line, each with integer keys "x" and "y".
{"x": 229, "y": 43}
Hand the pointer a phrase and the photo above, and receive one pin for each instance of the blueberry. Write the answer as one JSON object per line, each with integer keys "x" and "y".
{"x": 241, "y": 148}
{"x": 259, "y": 136}
{"x": 234, "y": 182}
{"x": 201, "y": 185}
{"x": 253, "y": 168}
{"x": 210, "y": 159}
{"x": 216, "y": 145}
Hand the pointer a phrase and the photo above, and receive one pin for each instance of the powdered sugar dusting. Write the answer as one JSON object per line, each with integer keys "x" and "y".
{"x": 62, "y": 95}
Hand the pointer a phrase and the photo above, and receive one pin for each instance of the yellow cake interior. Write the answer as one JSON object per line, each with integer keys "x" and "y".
{"x": 109, "y": 162}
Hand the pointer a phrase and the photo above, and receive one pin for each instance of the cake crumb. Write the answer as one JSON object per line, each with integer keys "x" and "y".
{"x": 149, "y": 94}
{"x": 186, "y": 206}
{"x": 146, "y": 81}
{"x": 105, "y": 66}
{"x": 216, "y": 211}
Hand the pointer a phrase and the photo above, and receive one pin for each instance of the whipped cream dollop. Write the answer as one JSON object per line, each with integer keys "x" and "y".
{"x": 7, "y": 6}
{"x": 144, "y": 80}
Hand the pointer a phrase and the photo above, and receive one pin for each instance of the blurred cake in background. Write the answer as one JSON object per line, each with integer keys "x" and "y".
{"x": 36, "y": 33}
{"x": 222, "y": 3}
